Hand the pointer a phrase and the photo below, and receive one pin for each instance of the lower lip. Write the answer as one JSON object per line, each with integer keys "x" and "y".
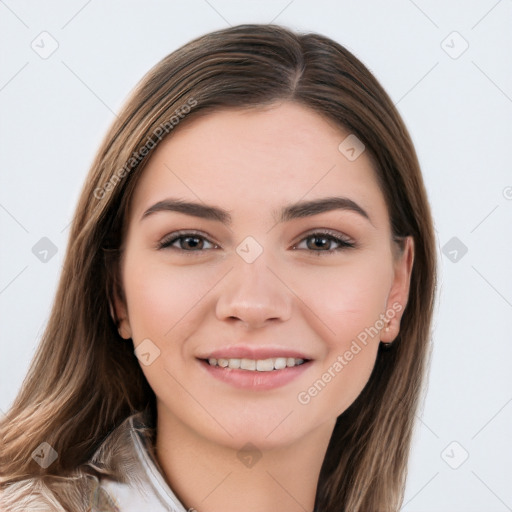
{"x": 247, "y": 379}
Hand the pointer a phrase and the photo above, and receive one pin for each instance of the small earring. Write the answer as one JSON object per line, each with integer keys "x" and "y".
{"x": 386, "y": 345}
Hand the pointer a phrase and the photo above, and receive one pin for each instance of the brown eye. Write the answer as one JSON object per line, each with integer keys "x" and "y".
{"x": 322, "y": 243}
{"x": 188, "y": 242}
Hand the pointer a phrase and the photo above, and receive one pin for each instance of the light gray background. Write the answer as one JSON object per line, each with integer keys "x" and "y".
{"x": 457, "y": 105}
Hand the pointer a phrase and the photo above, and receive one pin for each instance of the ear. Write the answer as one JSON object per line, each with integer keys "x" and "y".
{"x": 119, "y": 312}
{"x": 399, "y": 292}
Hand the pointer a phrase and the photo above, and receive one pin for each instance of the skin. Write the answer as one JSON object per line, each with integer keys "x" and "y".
{"x": 250, "y": 162}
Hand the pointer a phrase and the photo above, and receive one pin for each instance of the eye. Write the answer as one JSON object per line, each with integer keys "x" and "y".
{"x": 317, "y": 242}
{"x": 322, "y": 240}
{"x": 187, "y": 241}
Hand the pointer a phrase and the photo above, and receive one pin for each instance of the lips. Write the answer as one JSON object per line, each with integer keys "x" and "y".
{"x": 245, "y": 352}
{"x": 253, "y": 379}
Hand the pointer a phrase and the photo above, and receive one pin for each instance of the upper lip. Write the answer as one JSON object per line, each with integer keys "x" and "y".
{"x": 245, "y": 352}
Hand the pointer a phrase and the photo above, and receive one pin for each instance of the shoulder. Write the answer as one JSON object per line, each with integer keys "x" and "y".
{"x": 48, "y": 494}
{"x": 132, "y": 479}
{"x": 122, "y": 484}
{"x": 117, "y": 478}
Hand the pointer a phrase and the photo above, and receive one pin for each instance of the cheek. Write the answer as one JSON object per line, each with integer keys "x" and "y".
{"x": 347, "y": 298}
{"x": 162, "y": 297}
{"x": 164, "y": 303}
{"x": 349, "y": 307}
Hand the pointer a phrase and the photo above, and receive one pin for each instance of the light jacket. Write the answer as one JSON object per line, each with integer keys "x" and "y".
{"x": 139, "y": 485}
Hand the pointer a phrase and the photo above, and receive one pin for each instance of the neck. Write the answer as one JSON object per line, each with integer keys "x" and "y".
{"x": 209, "y": 477}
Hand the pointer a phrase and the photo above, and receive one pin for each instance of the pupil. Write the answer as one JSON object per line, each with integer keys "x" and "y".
{"x": 193, "y": 244}
{"x": 322, "y": 241}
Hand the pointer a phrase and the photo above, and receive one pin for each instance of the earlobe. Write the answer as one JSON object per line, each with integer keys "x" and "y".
{"x": 124, "y": 329}
{"x": 119, "y": 315}
{"x": 399, "y": 293}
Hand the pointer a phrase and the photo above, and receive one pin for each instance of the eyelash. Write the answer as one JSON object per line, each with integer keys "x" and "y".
{"x": 344, "y": 243}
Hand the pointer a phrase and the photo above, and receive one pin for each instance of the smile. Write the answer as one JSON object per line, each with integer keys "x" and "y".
{"x": 255, "y": 374}
{"x": 258, "y": 365}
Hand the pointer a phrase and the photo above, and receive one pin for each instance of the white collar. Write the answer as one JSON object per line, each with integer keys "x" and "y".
{"x": 146, "y": 488}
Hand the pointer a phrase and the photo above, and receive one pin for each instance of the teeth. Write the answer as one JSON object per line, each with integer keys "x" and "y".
{"x": 248, "y": 364}
{"x": 280, "y": 363}
{"x": 260, "y": 365}
{"x": 265, "y": 365}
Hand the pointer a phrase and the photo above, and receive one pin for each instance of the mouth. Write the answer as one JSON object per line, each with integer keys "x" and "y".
{"x": 255, "y": 374}
{"x": 256, "y": 365}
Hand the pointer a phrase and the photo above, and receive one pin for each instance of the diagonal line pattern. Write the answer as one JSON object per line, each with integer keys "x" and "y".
{"x": 492, "y": 211}
{"x": 66, "y": 226}
{"x": 286, "y": 491}
{"x": 88, "y": 87}
{"x": 490, "y": 490}
{"x": 13, "y": 279}
{"x": 216, "y": 487}
{"x": 410, "y": 499}
{"x": 426, "y": 426}
{"x": 417, "y": 83}
{"x": 14, "y": 218}
{"x": 491, "y": 419}
{"x": 492, "y": 81}
{"x": 281, "y": 11}
{"x": 502, "y": 296}
{"x": 424, "y": 13}
{"x": 14, "y": 76}
{"x": 13, "y": 13}
{"x": 76, "y": 14}
{"x": 212, "y": 7}
{"x": 486, "y": 14}
{"x": 280, "y": 423}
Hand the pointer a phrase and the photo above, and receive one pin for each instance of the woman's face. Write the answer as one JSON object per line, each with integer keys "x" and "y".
{"x": 258, "y": 265}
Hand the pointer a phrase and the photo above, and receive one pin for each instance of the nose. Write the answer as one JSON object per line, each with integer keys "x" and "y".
{"x": 254, "y": 294}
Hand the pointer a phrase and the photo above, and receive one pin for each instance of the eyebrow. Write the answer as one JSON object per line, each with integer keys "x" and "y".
{"x": 289, "y": 212}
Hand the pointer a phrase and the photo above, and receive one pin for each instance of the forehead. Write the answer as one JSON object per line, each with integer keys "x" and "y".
{"x": 257, "y": 160}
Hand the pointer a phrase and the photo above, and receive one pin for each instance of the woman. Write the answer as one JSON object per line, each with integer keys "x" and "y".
{"x": 243, "y": 317}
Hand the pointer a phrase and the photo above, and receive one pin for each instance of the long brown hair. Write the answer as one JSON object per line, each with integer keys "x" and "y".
{"x": 85, "y": 380}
